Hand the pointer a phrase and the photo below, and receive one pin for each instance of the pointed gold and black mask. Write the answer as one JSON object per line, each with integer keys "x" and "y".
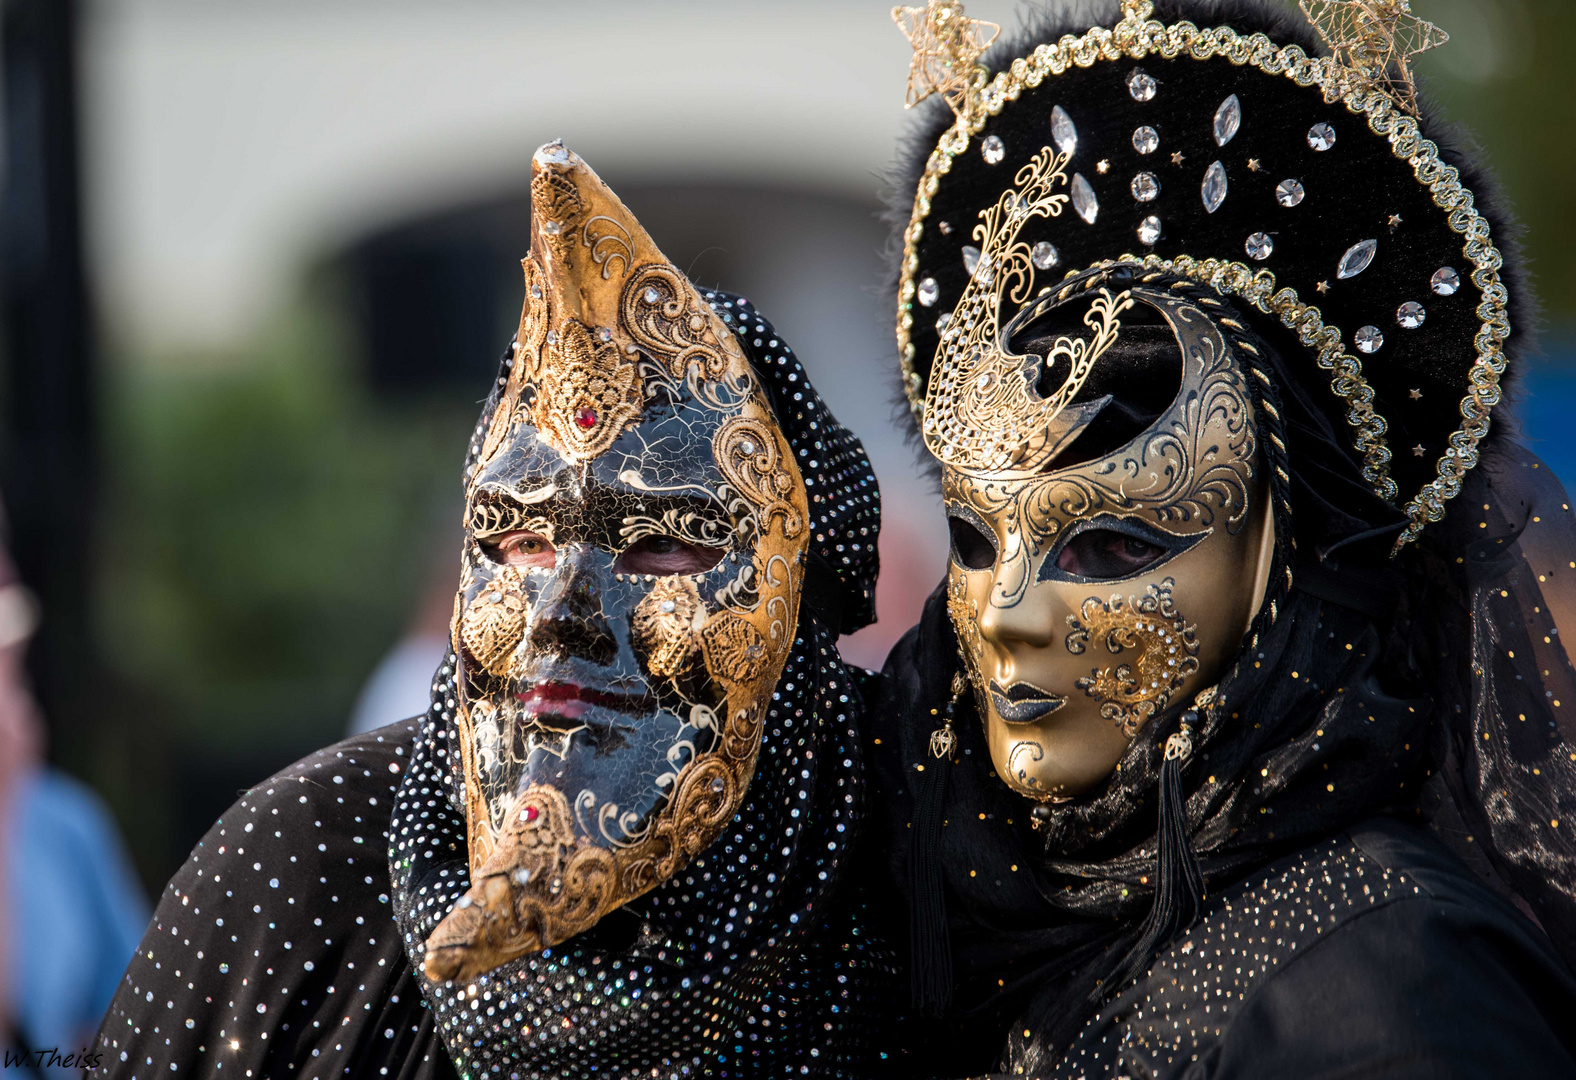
{"x": 635, "y": 541}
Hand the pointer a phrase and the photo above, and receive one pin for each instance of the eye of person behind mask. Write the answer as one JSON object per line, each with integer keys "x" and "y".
{"x": 661, "y": 555}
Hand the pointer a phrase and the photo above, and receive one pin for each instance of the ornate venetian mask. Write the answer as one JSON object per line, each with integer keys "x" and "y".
{"x": 635, "y": 535}
{"x": 1111, "y": 528}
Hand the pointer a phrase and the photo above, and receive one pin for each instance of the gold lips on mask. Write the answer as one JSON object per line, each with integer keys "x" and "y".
{"x": 1092, "y": 587}
{"x": 609, "y": 710}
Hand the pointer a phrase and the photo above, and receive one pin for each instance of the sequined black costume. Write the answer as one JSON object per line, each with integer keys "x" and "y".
{"x": 283, "y": 946}
{"x": 1357, "y": 819}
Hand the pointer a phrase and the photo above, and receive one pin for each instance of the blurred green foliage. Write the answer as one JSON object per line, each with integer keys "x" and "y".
{"x": 267, "y": 526}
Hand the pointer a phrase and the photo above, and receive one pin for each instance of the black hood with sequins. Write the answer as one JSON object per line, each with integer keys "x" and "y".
{"x": 753, "y": 960}
{"x": 290, "y": 942}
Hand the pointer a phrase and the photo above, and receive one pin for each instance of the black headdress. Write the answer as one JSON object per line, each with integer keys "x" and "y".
{"x": 1355, "y": 252}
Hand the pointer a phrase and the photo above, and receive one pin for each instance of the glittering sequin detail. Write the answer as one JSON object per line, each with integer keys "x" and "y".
{"x": 1181, "y": 1009}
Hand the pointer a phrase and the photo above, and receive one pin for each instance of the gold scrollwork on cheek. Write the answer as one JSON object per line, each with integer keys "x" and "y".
{"x": 587, "y": 394}
{"x": 734, "y": 650}
{"x": 493, "y": 624}
{"x": 749, "y": 456}
{"x": 1134, "y": 691}
{"x": 666, "y": 626}
{"x": 663, "y": 313}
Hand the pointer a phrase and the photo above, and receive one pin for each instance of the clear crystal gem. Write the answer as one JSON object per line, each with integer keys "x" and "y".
{"x": 928, "y": 292}
{"x": 651, "y": 296}
{"x": 520, "y": 876}
{"x": 667, "y": 606}
{"x": 1357, "y": 258}
{"x": 1410, "y": 315}
{"x": 1044, "y": 255}
{"x": 982, "y": 382}
{"x": 1063, "y": 131}
{"x": 1214, "y": 189}
{"x": 1445, "y": 281}
{"x": 1146, "y": 140}
{"x": 985, "y": 273}
{"x": 1141, "y": 85}
{"x": 971, "y": 258}
{"x": 1289, "y": 192}
{"x": 552, "y": 228}
{"x": 941, "y": 323}
{"x": 1368, "y": 338}
{"x": 1149, "y": 230}
{"x": 993, "y": 149}
{"x": 746, "y": 446}
{"x": 1084, "y": 201}
{"x": 604, "y": 334}
{"x": 1321, "y": 136}
{"x": 1259, "y": 246}
{"x": 553, "y": 152}
{"x": 1146, "y": 187}
{"x": 1228, "y": 118}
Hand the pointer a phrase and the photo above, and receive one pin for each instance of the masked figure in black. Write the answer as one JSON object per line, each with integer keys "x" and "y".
{"x": 620, "y": 843}
{"x": 1254, "y": 602}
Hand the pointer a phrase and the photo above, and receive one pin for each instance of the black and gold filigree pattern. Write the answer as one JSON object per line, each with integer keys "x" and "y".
{"x": 494, "y": 623}
{"x": 1159, "y": 650}
{"x": 750, "y": 457}
{"x": 588, "y": 393}
{"x": 666, "y": 625}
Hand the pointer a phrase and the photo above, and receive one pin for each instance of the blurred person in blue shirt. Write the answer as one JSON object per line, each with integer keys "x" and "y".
{"x": 71, "y": 911}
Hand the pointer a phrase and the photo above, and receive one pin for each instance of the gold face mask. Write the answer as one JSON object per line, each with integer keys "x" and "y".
{"x": 636, "y": 532}
{"x": 1091, "y": 588}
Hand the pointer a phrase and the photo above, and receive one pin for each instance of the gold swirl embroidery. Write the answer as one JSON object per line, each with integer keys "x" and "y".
{"x": 608, "y": 240}
{"x": 667, "y": 318}
{"x": 1136, "y": 690}
{"x": 666, "y": 623}
{"x": 749, "y": 456}
{"x": 690, "y": 526}
{"x": 734, "y": 650}
{"x": 557, "y": 203}
{"x": 587, "y": 395}
{"x": 494, "y": 624}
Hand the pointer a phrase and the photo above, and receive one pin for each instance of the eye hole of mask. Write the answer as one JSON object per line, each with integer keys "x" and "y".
{"x": 666, "y": 555}
{"x": 521, "y": 549}
{"x": 1122, "y": 549}
{"x": 971, "y": 548}
{"x": 1142, "y": 372}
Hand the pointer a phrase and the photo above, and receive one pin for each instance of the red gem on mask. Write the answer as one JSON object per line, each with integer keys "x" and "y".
{"x": 530, "y": 813}
{"x": 586, "y": 418}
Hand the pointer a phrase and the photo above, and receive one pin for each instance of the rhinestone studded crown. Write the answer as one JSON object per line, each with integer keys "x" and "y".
{"x": 1300, "y": 184}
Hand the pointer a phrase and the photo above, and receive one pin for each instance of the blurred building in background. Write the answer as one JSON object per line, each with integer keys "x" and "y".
{"x": 302, "y": 225}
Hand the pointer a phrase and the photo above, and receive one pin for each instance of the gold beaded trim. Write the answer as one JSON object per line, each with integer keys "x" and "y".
{"x": 1133, "y": 39}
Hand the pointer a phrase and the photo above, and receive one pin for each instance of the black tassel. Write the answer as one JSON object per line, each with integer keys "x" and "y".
{"x": 930, "y": 970}
{"x": 1179, "y": 884}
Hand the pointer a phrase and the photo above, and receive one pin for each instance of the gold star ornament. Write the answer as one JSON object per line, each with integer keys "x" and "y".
{"x": 947, "y": 47}
{"x": 1374, "y": 42}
